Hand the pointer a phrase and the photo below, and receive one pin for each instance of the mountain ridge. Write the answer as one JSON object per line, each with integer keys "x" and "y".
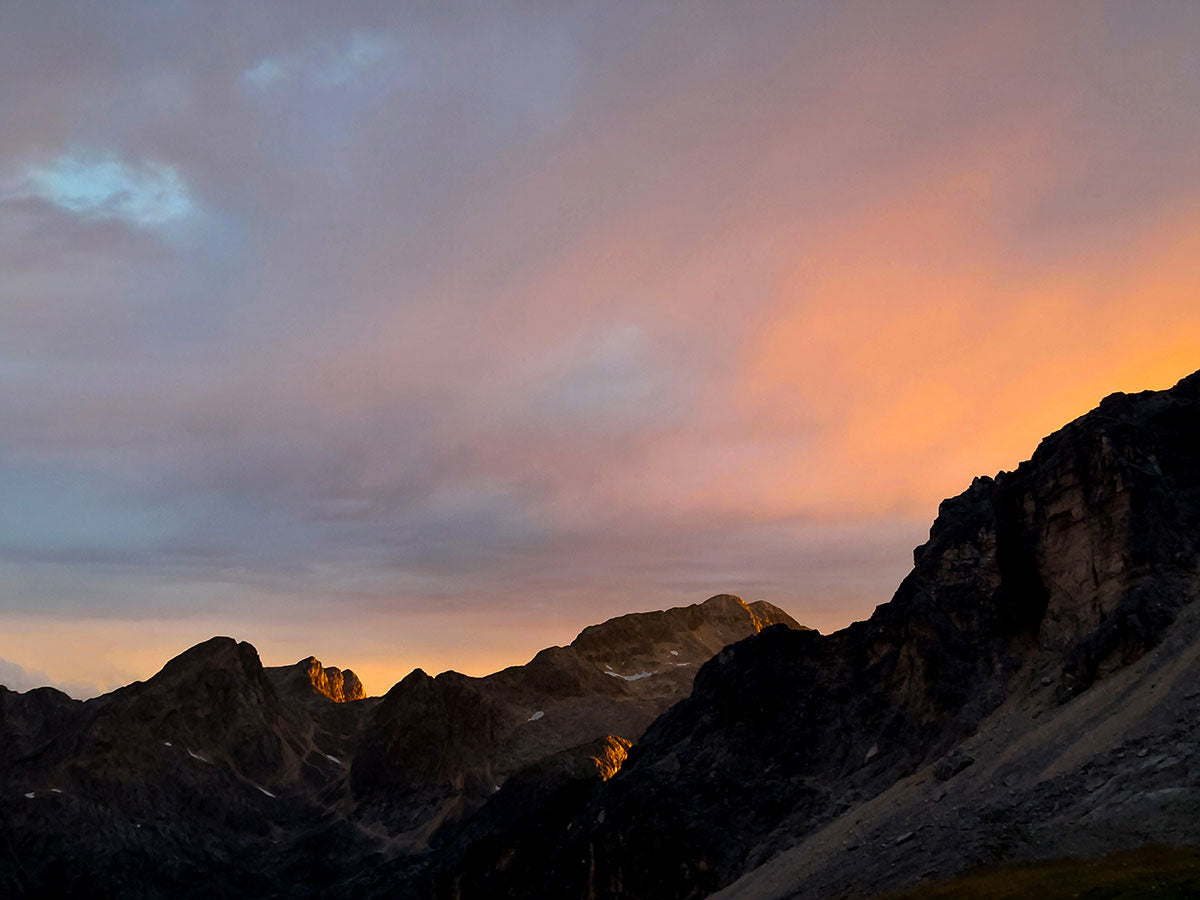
{"x": 1026, "y": 691}
{"x": 219, "y": 770}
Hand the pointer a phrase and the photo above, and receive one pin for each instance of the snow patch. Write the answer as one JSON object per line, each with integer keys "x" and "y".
{"x": 56, "y": 790}
{"x": 265, "y": 791}
{"x": 674, "y": 652}
{"x": 167, "y": 744}
{"x": 198, "y": 756}
{"x": 333, "y": 759}
{"x": 636, "y": 677}
{"x": 30, "y": 795}
{"x": 681, "y": 665}
{"x": 537, "y": 715}
{"x": 607, "y": 666}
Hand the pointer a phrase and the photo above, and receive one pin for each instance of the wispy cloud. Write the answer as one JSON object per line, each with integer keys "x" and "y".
{"x": 323, "y": 64}
{"x": 360, "y": 53}
{"x": 265, "y": 73}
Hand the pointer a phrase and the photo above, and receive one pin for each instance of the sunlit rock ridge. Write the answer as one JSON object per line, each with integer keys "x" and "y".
{"x": 337, "y": 684}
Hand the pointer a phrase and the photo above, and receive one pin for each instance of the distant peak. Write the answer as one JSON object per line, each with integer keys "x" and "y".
{"x": 644, "y": 641}
{"x": 724, "y": 600}
{"x": 217, "y": 652}
{"x": 339, "y": 685}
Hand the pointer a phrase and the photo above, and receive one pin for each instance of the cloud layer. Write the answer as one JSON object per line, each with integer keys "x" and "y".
{"x": 460, "y": 328}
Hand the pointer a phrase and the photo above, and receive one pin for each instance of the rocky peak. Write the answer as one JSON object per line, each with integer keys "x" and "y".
{"x": 219, "y": 672}
{"x": 309, "y": 675}
{"x": 654, "y": 643}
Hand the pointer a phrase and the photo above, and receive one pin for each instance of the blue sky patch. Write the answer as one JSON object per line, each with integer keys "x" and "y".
{"x": 145, "y": 194}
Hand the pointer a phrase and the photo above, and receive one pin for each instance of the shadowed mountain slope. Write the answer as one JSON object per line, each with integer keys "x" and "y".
{"x": 435, "y": 749}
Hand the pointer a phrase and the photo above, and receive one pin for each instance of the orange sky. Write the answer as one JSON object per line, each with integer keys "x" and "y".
{"x": 407, "y": 337}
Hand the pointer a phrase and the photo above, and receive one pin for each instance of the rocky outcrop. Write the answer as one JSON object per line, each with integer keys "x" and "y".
{"x": 339, "y": 685}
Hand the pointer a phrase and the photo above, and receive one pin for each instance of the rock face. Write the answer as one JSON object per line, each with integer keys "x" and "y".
{"x": 1068, "y": 570}
{"x": 340, "y": 686}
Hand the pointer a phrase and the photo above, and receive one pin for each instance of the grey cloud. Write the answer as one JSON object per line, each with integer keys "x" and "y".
{"x": 17, "y": 678}
{"x": 447, "y": 279}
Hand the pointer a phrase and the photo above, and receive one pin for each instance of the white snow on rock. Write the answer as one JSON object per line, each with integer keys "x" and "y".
{"x": 681, "y": 665}
{"x": 333, "y": 759}
{"x": 56, "y": 790}
{"x": 31, "y": 795}
{"x": 167, "y": 744}
{"x": 636, "y": 677}
{"x": 607, "y": 666}
{"x": 265, "y": 791}
{"x": 198, "y": 756}
{"x": 674, "y": 652}
{"x": 537, "y": 715}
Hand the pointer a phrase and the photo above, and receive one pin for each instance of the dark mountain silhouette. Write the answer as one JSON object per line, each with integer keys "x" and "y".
{"x": 1031, "y": 691}
{"x": 222, "y": 777}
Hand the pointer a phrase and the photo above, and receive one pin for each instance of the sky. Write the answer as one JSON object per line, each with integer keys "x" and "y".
{"x": 426, "y": 334}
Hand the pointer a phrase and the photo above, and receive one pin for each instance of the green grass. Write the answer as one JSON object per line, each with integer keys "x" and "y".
{"x": 1162, "y": 873}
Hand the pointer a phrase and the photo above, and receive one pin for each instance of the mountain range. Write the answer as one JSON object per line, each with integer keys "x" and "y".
{"x": 1030, "y": 692}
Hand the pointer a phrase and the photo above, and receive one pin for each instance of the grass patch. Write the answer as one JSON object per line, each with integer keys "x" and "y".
{"x": 1162, "y": 873}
